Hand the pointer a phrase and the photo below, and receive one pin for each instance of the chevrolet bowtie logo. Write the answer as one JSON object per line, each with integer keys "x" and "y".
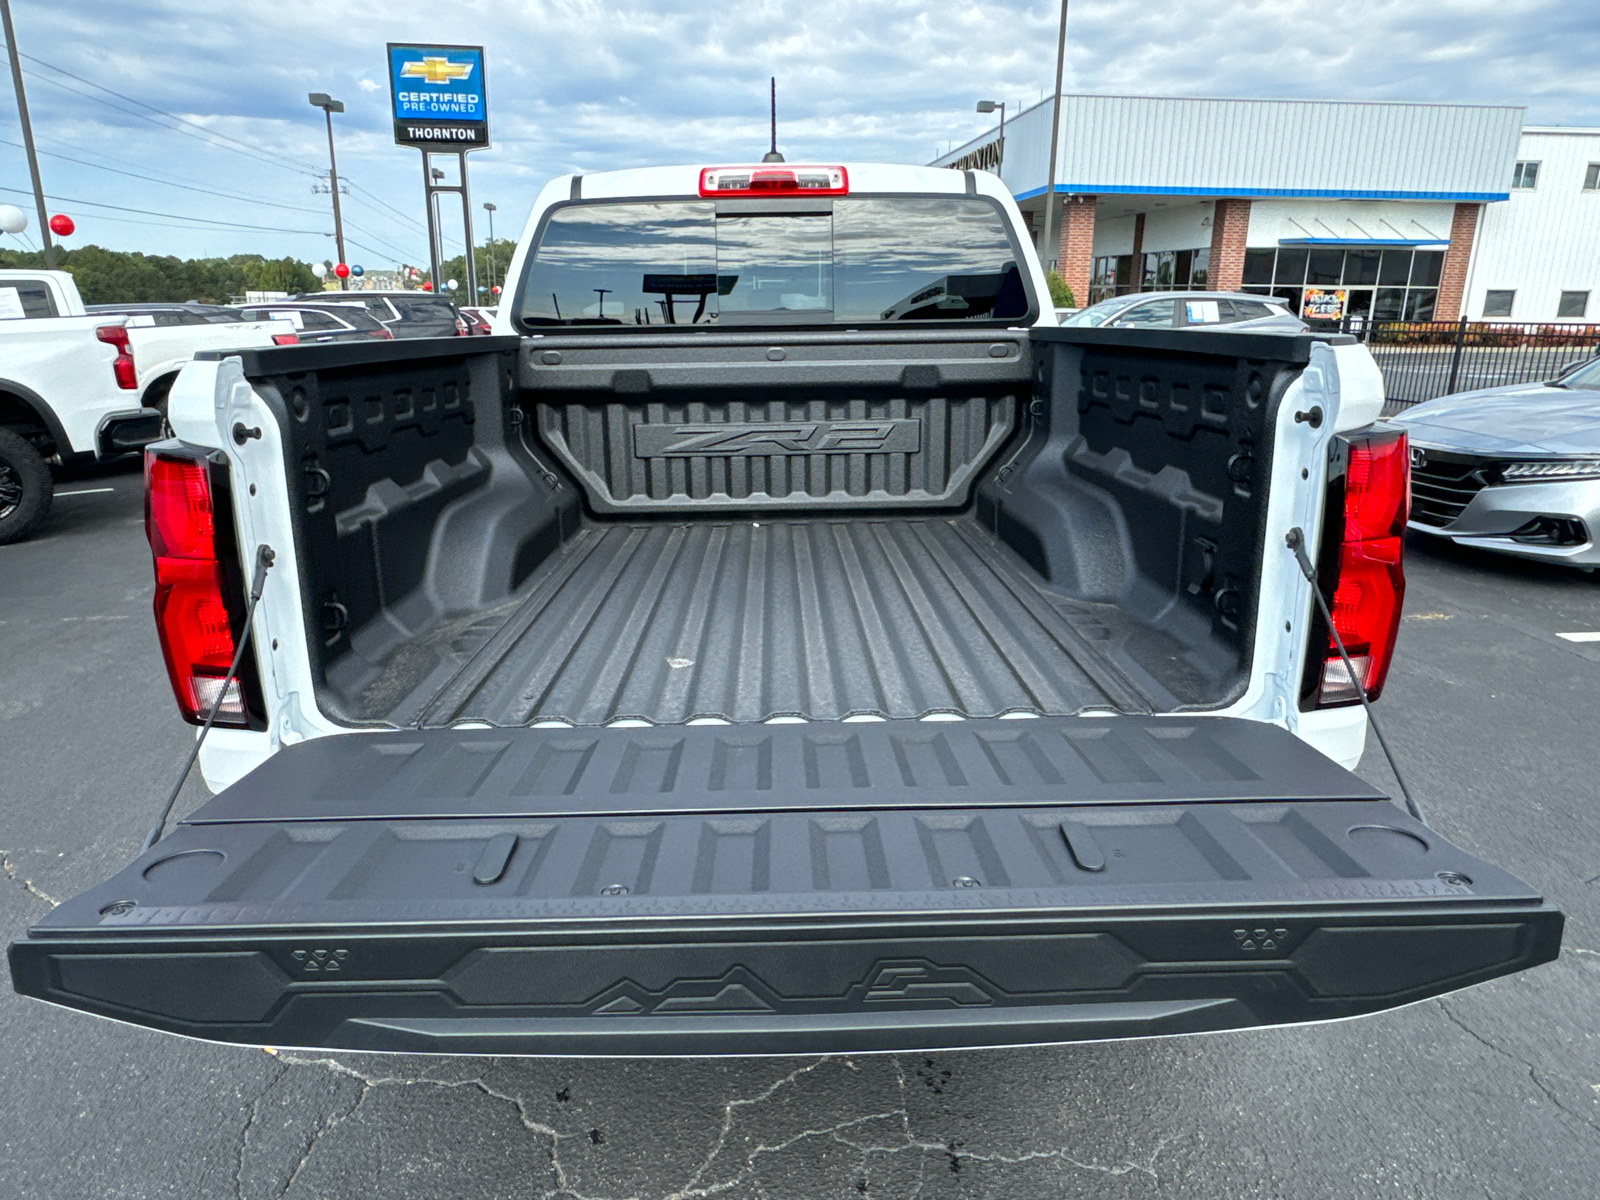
{"x": 436, "y": 70}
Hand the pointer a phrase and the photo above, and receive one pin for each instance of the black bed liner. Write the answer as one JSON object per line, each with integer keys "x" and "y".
{"x": 582, "y": 891}
{"x": 745, "y": 620}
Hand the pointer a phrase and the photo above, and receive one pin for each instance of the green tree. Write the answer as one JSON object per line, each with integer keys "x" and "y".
{"x": 1060, "y": 293}
{"x": 129, "y": 277}
{"x": 492, "y": 259}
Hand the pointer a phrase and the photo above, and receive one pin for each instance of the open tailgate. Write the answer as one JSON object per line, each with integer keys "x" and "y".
{"x": 784, "y": 889}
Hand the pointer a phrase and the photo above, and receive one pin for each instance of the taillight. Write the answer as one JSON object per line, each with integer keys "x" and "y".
{"x": 122, "y": 368}
{"x": 379, "y": 333}
{"x": 285, "y": 339}
{"x": 194, "y": 616}
{"x": 1360, "y": 567}
{"x": 774, "y": 181}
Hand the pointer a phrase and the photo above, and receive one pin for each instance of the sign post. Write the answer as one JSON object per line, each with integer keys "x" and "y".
{"x": 441, "y": 107}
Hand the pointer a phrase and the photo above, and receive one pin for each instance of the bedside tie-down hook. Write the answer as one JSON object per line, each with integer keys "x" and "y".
{"x": 264, "y": 561}
{"x": 1295, "y": 539}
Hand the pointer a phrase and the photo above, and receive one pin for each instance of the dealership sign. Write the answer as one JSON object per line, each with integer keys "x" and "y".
{"x": 438, "y": 96}
{"x": 985, "y": 158}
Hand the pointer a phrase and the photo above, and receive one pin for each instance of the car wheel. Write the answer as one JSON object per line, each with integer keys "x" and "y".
{"x": 25, "y": 488}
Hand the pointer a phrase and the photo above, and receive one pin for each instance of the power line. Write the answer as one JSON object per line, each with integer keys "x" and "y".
{"x": 254, "y": 150}
{"x": 206, "y": 141}
{"x": 377, "y": 238}
{"x": 177, "y": 216}
{"x": 165, "y": 183}
{"x": 385, "y": 203}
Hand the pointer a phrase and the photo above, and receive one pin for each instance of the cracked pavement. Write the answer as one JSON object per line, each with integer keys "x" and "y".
{"x": 1492, "y": 1092}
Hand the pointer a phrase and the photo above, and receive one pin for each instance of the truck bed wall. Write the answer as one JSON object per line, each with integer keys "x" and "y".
{"x": 1141, "y": 480}
{"x": 432, "y": 479}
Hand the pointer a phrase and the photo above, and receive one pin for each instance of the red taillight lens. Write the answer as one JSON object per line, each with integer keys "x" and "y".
{"x": 191, "y": 612}
{"x": 285, "y": 339}
{"x": 774, "y": 181}
{"x": 1370, "y": 584}
{"x": 122, "y": 368}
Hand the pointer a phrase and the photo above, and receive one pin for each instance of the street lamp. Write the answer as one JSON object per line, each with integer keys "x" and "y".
{"x": 489, "y": 208}
{"x": 988, "y": 106}
{"x": 329, "y": 106}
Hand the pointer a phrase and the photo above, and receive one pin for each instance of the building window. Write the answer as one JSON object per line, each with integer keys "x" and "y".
{"x": 1525, "y": 177}
{"x": 1498, "y": 304}
{"x": 1591, "y": 178}
{"x": 1397, "y": 284}
{"x": 1573, "y": 304}
{"x": 1160, "y": 271}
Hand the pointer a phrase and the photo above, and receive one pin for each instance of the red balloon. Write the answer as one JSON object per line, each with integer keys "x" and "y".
{"x": 496, "y": 289}
{"x": 61, "y": 225}
{"x": 427, "y": 287}
{"x": 341, "y": 270}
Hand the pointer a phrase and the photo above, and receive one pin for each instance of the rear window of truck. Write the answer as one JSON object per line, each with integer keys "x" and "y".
{"x": 852, "y": 260}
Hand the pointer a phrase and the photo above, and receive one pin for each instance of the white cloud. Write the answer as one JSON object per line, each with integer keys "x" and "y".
{"x": 592, "y": 84}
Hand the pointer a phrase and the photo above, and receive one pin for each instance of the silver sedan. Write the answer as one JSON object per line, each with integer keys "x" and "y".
{"x": 1514, "y": 469}
{"x": 1233, "y": 311}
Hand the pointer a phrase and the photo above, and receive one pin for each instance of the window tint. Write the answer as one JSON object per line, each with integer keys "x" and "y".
{"x": 1258, "y": 265}
{"x": 1426, "y": 268}
{"x": 424, "y": 308}
{"x": 680, "y": 263}
{"x": 318, "y": 321}
{"x": 1155, "y": 314}
{"x": 21, "y": 298}
{"x": 1291, "y": 266}
{"x": 1573, "y": 304}
{"x": 1325, "y": 267}
{"x": 1498, "y": 303}
{"x": 1250, "y": 310}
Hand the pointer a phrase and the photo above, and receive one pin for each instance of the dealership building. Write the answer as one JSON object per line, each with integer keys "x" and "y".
{"x": 1387, "y": 211}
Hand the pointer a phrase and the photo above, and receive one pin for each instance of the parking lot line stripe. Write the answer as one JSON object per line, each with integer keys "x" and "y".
{"x": 84, "y": 492}
{"x": 1580, "y": 637}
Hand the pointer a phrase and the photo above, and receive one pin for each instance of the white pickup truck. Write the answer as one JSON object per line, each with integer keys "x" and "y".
{"x": 75, "y": 383}
{"x": 779, "y": 637}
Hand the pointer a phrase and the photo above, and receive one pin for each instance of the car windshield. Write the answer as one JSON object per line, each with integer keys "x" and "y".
{"x": 1586, "y": 376}
{"x": 855, "y": 259}
{"x": 1097, "y": 314}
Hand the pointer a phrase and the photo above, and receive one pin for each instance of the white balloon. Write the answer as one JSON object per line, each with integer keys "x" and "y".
{"x": 451, "y": 284}
{"x": 319, "y": 270}
{"x": 12, "y": 219}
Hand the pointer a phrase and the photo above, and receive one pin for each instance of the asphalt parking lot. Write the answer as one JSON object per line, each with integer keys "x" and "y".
{"x": 1492, "y": 1092}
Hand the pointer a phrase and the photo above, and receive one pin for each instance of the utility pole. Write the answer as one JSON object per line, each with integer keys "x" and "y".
{"x": 27, "y": 137}
{"x": 329, "y": 106}
{"x": 1055, "y": 134}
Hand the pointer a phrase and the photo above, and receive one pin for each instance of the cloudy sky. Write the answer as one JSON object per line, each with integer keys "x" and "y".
{"x": 206, "y": 99}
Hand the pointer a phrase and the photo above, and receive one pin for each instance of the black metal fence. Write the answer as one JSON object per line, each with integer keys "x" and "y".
{"x": 1422, "y": 360}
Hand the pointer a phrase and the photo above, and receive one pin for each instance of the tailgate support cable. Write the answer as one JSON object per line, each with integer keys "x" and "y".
{"x": 264, "y": 559}
{"x": 1296, "y": 541}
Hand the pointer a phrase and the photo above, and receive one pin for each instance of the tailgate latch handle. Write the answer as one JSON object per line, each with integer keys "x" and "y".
{"x": 1085, "y": 850}
{"x": 495, "y": 858}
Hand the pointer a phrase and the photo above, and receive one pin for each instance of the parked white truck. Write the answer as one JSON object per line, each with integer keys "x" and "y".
{"x": 78, "y": 383}
{"x": 780, "y": 637}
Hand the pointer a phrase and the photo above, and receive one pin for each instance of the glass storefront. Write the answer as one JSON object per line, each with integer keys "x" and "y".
{"x": 1395, "y": 283}
{"x": 1157, "y": 271}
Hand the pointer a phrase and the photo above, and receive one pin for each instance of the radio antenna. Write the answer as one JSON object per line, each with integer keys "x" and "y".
{"x": 772, "y": 155}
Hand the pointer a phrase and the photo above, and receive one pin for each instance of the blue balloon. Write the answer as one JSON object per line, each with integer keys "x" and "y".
{"x": 357, "y": 272}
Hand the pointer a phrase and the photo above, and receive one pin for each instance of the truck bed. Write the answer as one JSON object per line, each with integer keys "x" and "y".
{"x": 747, "y": 620}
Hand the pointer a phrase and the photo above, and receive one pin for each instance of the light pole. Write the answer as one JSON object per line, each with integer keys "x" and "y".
{"x": 1055, "y": 127}
{"x": 988, "y": 106}
{"x": 329, "y": 106}
{"x": 489, "y": 208}
{"x": 27, "y": 137}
